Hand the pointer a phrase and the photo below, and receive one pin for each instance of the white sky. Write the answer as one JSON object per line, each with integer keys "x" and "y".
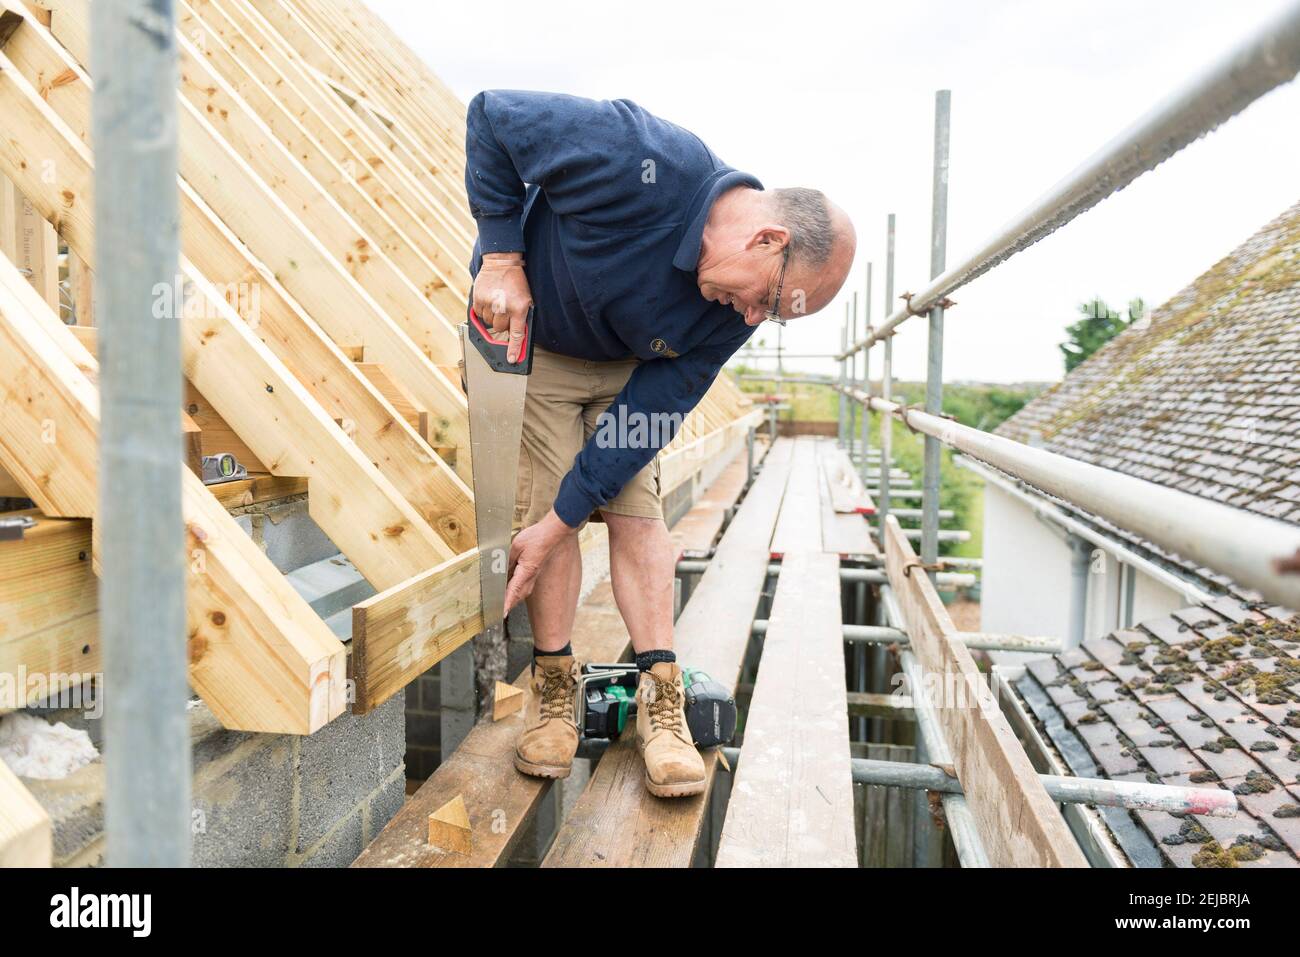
{"x": 839, "y": 96}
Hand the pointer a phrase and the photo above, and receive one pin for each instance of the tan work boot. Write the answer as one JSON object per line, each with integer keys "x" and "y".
{"x": 550, "y": 737}
{"x": 673, "y": 766}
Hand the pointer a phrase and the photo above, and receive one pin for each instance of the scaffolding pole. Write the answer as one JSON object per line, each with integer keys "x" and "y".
{"x": 866, "y": 379}
{"x": 932, "y": 748}
{"x": 934, "y": 361}
{"x": 139, "y": 520}
{"x": 1135, "y": 795}
{"x": 1268, "y": 58}
{"x": 1241, "y": 545}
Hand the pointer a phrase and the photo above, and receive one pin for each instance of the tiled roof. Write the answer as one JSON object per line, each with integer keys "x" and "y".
{"x": 1209, "y": 697}
{"x": 1206, "y": 397}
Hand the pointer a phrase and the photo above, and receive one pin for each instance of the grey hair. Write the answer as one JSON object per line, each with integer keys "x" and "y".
{"x": 807, "y": 214}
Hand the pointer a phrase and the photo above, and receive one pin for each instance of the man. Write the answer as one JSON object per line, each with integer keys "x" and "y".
{"x": 649, "y": 263}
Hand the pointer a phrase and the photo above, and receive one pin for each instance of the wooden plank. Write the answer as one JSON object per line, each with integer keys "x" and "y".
{"x": 48, "y": 599}
{"x": 843, "y": 533}
{"x": 1018, "y": 823}
{"x": 437, "y": 163}
{"x": 9, "y": 487}
{"x": 81, "y": 286}
{"x": 695, "y": 531}
{"x": 403, "y": 631}
{"x": 400, "y": 399}
{"x": 254, "y": 212}
{"x": 33, "y": 245}
{"x": 359, "y": 509}
{"x": 685, "y": 456}
{"x": 197, "y": 418}
{"x": 10, "y": 20}
{"x": 216, "y": 435}
{"x": 26, "y": 835}
{"x": 440, "y": 233}
{"x": 848, "y": 494}
{"x": 866, "y": 704}
{"x": 500, "y": 799}
{"x": 616, "y": 822}
{"x": 436, "y": 492}
{"x": 259, "y": 656}
{"x": 800, "y": 525}
{"x": 255, "y": 489}
{"x": 792, "y": 800}
{"x": 377, "y": 214}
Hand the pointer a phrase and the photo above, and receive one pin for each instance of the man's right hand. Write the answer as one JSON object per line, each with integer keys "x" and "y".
{"x": 502, "y": 298}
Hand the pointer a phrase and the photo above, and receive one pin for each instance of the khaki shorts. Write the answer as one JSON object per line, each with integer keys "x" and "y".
{"x": 565, "y": 398}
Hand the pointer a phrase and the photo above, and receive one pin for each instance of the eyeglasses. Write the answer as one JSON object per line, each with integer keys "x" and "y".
{"x": 774, "y": 314}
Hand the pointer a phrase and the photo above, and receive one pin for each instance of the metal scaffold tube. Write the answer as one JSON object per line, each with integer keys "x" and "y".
{"x": 1268, "y": 58}
{"x": 139, "y": 520}
{"x": 1136, "y": 795}
{"x": 931, "y": 742}
{"x": 934, "y": 363}
{"x": 1242, "y": 545}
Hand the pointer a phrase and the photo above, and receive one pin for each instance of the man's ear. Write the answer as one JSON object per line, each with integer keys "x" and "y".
{"x": 770, "y": 234}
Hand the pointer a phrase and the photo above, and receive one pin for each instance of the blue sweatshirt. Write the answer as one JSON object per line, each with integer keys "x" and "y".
{"x": 608, "y": 203}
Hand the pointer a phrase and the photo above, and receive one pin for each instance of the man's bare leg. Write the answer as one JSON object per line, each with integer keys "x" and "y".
{"x": 549, "y": 738}
{"x": 554, "y": 602}
{"x": 641, "y": 564}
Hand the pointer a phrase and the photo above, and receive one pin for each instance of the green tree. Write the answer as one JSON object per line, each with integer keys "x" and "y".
{"x": 1097, "y": 326}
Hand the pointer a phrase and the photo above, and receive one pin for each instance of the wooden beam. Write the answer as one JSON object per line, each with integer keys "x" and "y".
{"x": 799, "y": 527}
{"x": 500, "y": 800}
{"x": 616, "y": 822}
{"x": 255, "y": 213}
{"x": 400, "y": 633}
{"x": 437, "y": 164}
{"x": 259, "y": 656}
{"x": 680, "y": 461}
{"x": 33, "y": 245}
{"x": 309, "y": 122}
{"x": 26, "y": 835}
{"x": 422, "y": 477}
{"x": 866, "y": 704}
{"x": 49, "y": 628}
{"x": 10, "y": 20}
{"x": 81, "y": 282}
{"x": 343, "y": 134}
{"x": 352, "y": 502}
{"x": 1018, "y": 823}
{"x": 401, "y": 400}
{"x": 845, "y": 532}
{"x": 792, "y": 801}
{"x": 9, "y": 487}
{"x": 49, "y": 421}
{"x": 355, "y": 232}
{"x": 695, "y": 531}
{"x": 215, "y": 435}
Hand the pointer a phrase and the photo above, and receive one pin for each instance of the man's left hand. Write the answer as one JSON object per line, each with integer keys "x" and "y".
{"x": 529, "y": 552}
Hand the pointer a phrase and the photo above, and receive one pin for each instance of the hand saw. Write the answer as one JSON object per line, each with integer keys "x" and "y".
{"x": 496, "y": 390}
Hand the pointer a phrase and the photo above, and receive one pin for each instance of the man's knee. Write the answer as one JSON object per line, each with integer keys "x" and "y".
{"x": 637, "y": 525}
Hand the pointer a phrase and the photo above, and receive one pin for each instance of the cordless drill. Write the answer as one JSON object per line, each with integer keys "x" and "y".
{"x": 607, "y": 699}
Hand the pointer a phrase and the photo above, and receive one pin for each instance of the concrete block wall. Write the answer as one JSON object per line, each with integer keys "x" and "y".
{"x": 259, "y": 800}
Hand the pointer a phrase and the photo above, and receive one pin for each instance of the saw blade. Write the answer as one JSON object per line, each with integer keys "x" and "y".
{"x": 496, "y": 425}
